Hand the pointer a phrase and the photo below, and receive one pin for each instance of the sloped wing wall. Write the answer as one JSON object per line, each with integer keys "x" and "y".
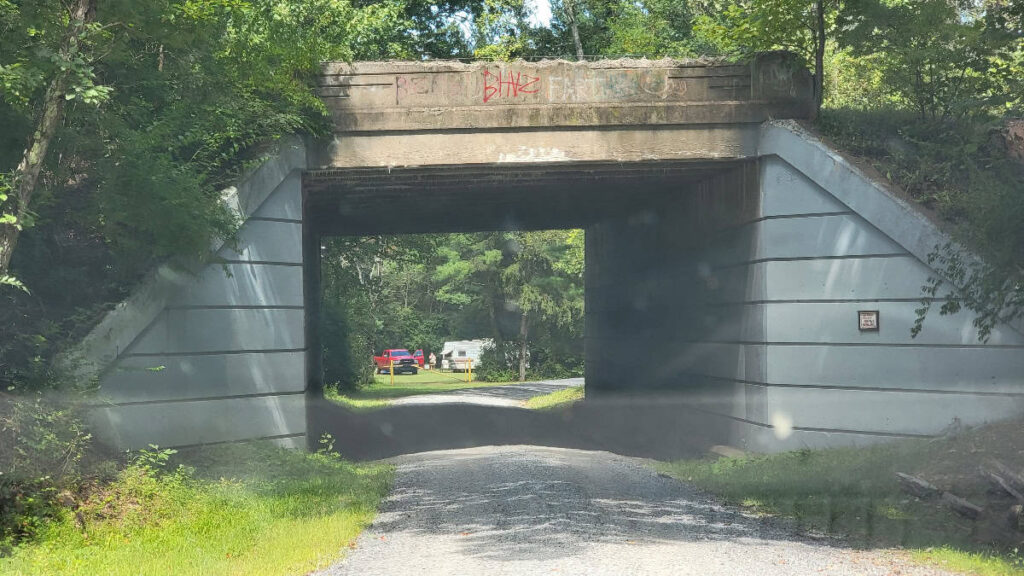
{"x": 831, "y": 242}
{"x": 220, "y": 355}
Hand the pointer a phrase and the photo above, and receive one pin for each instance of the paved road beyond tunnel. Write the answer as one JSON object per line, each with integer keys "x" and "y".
{"x": 528, "y": 510}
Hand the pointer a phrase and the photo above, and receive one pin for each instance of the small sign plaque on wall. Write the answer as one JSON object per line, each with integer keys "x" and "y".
{"x": 867, "y": 320}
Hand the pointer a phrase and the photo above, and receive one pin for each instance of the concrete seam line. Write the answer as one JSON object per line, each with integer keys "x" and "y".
{"x": 236, "y": 307}
{"x": 195, "y": 399}
{"x": 212, "y": 353}
{"x": 810, "y": 428}
{"x": 803, "y": 258}
{"x": 242, "y": 441}
{"x": 931, "y": 391}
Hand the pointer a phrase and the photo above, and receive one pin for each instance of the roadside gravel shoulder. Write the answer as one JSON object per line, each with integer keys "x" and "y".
{"x": 532, "y": 510}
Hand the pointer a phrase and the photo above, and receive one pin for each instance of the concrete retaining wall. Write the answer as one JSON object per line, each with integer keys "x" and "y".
{"x": 827, "y": 243}
{"x": 741, "y": 297}
{"x": 219, "y": 355}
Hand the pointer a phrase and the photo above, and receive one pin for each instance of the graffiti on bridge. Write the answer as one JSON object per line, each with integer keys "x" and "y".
{"x": 510, "y": 86}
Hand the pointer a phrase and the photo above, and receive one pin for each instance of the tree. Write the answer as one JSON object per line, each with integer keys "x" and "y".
{"x": 542, "y": 282}
{"x": 201, "y": 89}
{"x": 937, "y": 54}
{"x": 744, "y": 27}
{"x": 570, "y": 11}
{"x": 71, "y": 76}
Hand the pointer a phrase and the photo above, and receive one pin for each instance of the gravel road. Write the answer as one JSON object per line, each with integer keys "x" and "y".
{"x": 506, "y": 395}
{"x": 531, "y": 510}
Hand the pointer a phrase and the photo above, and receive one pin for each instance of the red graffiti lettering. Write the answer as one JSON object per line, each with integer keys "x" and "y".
{"x": 516, "y": 83}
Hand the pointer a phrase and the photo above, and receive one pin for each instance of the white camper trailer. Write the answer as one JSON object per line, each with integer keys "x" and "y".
{"x": 456, "y": 355}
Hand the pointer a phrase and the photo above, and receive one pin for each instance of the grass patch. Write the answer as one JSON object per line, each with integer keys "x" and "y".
{"x": 381, "y": 392}
{"x": 979, "y": 564}
{"x": 245, "y": 509}
{"x": 425, "y": 377}
{"x": 852, "y": 492}
{"x": 559, "y": 399}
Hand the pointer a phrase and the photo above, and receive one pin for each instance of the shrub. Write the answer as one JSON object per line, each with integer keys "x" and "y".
{"x": 346, "y": 355}
{"x": 42, "y": 443}
{"x": 499, "y": 363}
{"x": 144, "y": 491}
{"x": 544, "y": 364}
{"x": 961, "y": 169}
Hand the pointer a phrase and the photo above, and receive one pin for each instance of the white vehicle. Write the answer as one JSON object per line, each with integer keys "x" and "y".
{"x": 456, "y": 355}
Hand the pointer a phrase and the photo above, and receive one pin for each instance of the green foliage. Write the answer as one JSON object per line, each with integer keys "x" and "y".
{"x": 745, "y": 27}
{"x": 498, "y": 363}
{"x": 938, "y": 55}
{"x": 651, "y": 29}
{"x": 255, "y": 508}
{"x": 417, "y": 292}
{"x": 169, "y": 102}
{"x": 961, "y": 170}
{"x": 346, "y": 354}
{"x": 556, "y": 400}
{"x": 152, "y": 461}
{"x": 621, "y": 28}
{"x": 42, "y": 444}
{"x": 381, "y": 391}
{"x": 853, "y": 493}
{"x": 377, "y": 294}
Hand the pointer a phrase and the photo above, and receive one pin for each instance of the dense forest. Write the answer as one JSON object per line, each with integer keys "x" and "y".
{"x": 524, "y": 290}
{"x": 123, "y": 120}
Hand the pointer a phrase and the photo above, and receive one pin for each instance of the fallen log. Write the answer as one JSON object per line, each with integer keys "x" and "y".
{"x": 1002, "y": 483}
{"x": 917, "y": 486}
{"x": 1015, "y": 480}
{"x": 961, "y": 506}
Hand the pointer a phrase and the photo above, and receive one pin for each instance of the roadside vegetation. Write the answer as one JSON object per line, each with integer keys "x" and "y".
{"x": 521, "y": 290}
{"x": 247, "y": 509}
{"x": 854, "y": 493}
{"x": 381, "y": 392}
{"x": 123, "y": 121}
{"x": 556, "y": 400}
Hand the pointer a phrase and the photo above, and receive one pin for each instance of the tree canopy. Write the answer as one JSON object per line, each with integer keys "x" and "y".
{"x": 123, "y": 120}
{"x": 523, "y": 290}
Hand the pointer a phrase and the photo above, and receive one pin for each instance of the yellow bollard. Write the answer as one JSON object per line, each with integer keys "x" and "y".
{"x": 391, "y": 364}
{"x": 469, "y": 373}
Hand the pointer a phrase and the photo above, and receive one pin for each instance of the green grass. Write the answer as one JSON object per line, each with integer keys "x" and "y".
{"x": 559, "y": 399}
{"x": 853, "y": 493}
{"x": 975, "y": 563}
{"x": 247, "y": 509}
{"x": 381, "y": 392}
{"x": 426, "y": 377}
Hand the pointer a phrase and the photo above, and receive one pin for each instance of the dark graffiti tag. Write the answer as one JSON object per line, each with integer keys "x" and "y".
{"x": 497, "y": 86}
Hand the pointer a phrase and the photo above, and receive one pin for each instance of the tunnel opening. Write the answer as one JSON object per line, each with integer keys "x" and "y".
{"x": 450, "y": 314}
{"x": 663, "y": 241}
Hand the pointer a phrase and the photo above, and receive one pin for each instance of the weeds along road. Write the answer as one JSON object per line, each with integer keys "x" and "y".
{"x": 531, "y": 510}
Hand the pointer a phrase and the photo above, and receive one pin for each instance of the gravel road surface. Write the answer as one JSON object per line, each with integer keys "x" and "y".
{"x": 507, "y": 395}
{"x": 531, "y": 510}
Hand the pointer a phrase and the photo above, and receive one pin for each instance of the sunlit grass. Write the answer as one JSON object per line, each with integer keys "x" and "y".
{"x": 558, "y": 399}
{"x": 427, "y": 377}
{"x": 853, "y": 493}
{"x": 973, "y": 563}
{"x": 248, "y": 510}
{"x": 381, "y": 392}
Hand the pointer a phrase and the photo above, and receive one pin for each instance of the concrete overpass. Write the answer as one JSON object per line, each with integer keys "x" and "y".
{"x": 729, "y": 256}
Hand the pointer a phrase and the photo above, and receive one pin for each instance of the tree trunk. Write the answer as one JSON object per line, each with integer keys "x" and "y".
{"x": 571, "y": 11}
{"x": 523, "y": 350}
{"x": 26, "y": 175}
{"x": 819, "y": 56}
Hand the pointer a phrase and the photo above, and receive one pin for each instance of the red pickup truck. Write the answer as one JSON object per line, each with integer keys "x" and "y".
{"x": 404, "y": 363}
